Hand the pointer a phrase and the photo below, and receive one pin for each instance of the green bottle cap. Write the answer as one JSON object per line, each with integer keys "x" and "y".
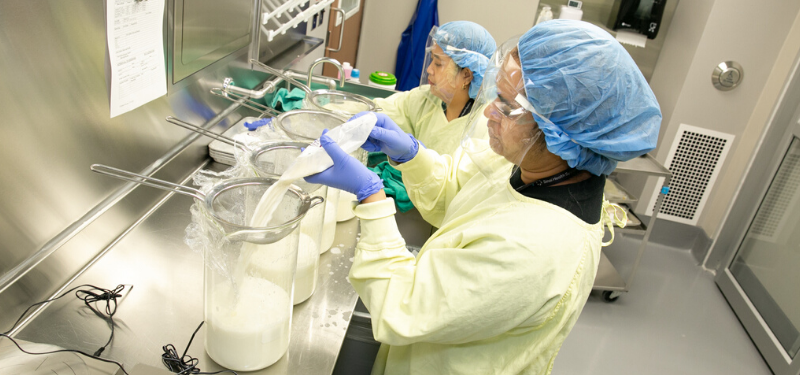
{"x": 383, "y": 78}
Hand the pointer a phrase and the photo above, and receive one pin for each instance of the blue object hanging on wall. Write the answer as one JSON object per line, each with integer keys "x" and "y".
{"x": 411, "y": 51}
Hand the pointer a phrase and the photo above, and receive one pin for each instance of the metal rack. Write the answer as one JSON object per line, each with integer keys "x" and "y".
{"x": 608, "y": 278}
{"x": 279, "y": 17}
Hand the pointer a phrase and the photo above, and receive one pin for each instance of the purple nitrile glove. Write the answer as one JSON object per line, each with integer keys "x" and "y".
{"x": 347, "y": 173}
{"x": 388, "y": 138}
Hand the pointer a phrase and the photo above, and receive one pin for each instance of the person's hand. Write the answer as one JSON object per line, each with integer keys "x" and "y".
{"x": 388, "y": 138}
{"x": 347, "y": 173}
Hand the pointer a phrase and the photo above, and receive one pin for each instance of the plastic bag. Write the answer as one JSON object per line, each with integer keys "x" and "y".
{"x": 203, "y": 235}
{"x": 349, "y": 136}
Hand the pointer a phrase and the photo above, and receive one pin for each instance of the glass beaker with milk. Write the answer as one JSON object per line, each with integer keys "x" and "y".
{"x": 248, "y": 277}
{"x": 307, "y": 125}
{"x": 248, "y": 286}
{"x": 272, "y": 160}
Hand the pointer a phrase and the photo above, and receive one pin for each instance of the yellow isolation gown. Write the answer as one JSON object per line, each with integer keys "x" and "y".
{"x": 495, "y": 290}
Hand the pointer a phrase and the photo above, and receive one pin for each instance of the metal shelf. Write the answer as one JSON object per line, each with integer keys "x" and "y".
{"x": 615, "y": 193}
{"x": 644, "y": 164}
{"x": 608, "y": 279}
{"x": 635, "y": 224}
{"x": 608, "y": 276}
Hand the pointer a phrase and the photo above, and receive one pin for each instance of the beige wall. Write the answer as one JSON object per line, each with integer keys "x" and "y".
{"x": 385, "y": 20}
{"x": 734, "y": 30}
{"x": 503, "y": 19}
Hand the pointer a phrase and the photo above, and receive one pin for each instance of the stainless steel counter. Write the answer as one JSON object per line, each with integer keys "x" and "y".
{"x": 165, "y": 304}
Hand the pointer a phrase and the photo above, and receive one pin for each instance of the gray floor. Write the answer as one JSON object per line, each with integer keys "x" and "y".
{"x": 673, "y": 321}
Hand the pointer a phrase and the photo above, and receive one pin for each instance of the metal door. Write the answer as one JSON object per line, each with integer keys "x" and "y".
{"x": 343, "y": 46}
{"x": 761, "y": 276}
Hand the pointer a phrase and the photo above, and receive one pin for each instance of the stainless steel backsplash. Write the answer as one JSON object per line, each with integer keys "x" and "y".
{"x": 55, "y": 123}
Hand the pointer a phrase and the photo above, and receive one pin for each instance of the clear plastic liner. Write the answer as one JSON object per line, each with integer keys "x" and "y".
{"x": 248, "y": 286}
{"x": 307, "y": 125}
{"x": 232, "y": 265}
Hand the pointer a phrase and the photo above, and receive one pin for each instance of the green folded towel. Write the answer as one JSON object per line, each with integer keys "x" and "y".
{"x": 375, "y": 158}
{"x": 393, "y": 185}
{"x": 288, "y": 100}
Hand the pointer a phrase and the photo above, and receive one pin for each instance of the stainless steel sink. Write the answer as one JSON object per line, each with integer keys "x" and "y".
{"x": 370, "y": 92}
{"x": 366, "y": 90}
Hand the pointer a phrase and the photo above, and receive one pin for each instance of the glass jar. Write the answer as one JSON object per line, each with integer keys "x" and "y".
{"x": 329, "y": 226}
{"x": 249, "y": 314}
{"x": 308, "y": 251}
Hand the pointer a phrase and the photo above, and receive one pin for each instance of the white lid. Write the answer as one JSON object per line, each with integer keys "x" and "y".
{"x": 345, "y": 64}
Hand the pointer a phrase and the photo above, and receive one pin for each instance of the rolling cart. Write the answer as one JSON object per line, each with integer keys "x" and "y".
{"x": 608, "y": 279}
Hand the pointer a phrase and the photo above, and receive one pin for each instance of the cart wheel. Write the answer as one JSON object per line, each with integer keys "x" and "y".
{"x": 611, "y": 295}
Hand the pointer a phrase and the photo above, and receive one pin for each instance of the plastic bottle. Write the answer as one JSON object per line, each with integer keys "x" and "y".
{"x": 347, "y": 70}
{"x": 383, "y": 80}
{"x": 570, "y": 13}
{"x": 354, "y": 76}
{"x": 544, "y": 15}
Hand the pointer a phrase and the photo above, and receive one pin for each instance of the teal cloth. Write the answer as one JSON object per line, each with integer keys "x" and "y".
{"x": 393, "y": 185}
{"x": 288, "y": 100}
{"x": 375, "y": 158}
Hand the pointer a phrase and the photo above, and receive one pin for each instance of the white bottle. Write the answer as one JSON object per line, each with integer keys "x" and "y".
{"x": 355, "y": 76}
{"x": 544, "y": 15}
{"x": 571, "y": 11}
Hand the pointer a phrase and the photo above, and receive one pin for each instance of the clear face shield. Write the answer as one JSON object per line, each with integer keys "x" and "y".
{"x": 505, "y": 130}
{"x": 439, "y": 70}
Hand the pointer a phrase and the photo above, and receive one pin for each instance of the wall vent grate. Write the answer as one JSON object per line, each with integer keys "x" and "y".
{"x": 695, "y": 159}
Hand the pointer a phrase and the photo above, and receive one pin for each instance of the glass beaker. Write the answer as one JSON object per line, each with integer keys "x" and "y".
{"x": 329, "y": 226}
{"x": 271, "y": 160}
{"x": 307, "y": 125}
{"x": 249, "y": 285}
{"x": 338, "y": 102}
{"x": 308, "y": 251}
{"x": 345, "y": 207}
{"x": 249, "y": 317}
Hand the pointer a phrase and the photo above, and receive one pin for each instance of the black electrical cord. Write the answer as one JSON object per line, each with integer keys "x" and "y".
{"x": 91, "y": 295}
{"x": 185, "y": 364}
{"x": 110, "y": 296}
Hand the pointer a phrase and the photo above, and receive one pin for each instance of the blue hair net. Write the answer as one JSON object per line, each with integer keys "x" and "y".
{"x": 470, "y": 46}
{"x": 590, "y": 99}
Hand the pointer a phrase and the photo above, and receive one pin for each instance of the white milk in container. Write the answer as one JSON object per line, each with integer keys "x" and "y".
{"x": 305, "y": 279}
{"x": 249, "y": 298}
{"x": 248, "y": 307}
{"x": 273, "y": 160}
{"x": 308, "y": 125}
{"x": 307, "y": 269}
{"x": 329, "y": 226}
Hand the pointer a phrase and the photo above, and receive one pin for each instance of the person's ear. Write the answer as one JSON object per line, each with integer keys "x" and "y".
{"x": 467, "y": 74}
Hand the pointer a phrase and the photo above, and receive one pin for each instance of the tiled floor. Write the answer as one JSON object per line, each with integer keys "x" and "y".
{"x": 673, "y": 321}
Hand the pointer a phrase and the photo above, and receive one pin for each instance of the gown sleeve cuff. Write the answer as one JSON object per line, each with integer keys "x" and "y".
{"x": 378, "y": 226}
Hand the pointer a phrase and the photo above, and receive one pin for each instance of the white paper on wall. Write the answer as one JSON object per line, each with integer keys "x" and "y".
{"x": 134, "y": 31}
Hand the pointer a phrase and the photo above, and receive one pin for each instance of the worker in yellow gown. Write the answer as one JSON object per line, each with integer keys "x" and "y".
{"x": 435, "y": 113}
{"x": 521, "y": 215}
